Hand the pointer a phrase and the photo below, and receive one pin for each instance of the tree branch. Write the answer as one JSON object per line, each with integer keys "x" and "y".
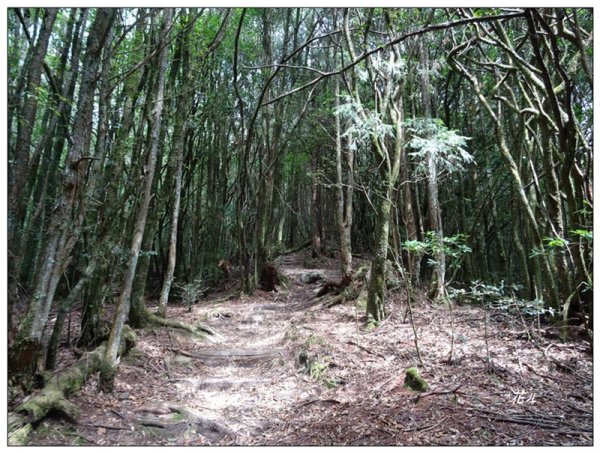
{"x": 405, "y": 36}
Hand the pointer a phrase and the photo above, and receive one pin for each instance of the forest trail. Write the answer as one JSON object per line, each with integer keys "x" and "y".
{"x": 285, "y": 370}
{"x": 144, "y": 144}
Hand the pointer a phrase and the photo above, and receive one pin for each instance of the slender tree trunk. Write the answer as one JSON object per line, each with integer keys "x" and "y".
{"x": 272, "y": 131}
{"x": 242, "y": 175}
{"x": 438, "y": 282}
{"x": 390, "y": 105}
{"x": 344, "y": 203}
{"x": 65, "y": 224}
{"x": 175, "y": 172}
{"x": 295, "y": 207}
{"x": 549, "y": 270}
{"x": 168, "y": 278}
{"x": 410, "y": 222}
{"x": 20, "y": 162}
{"x": 522, "y": 256}
{"x": 377, "y": 286}
{"x": 138, "y": 316}
{"x": 110, "y": 358}
{"x": 389, "y": 170}
{"x": 315, "y": 208}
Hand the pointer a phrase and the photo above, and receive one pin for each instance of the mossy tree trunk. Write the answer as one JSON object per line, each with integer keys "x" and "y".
{"x": 28, "y": 353}
{"x": 389, "y": 176}
{"x": 54, "y": 395}
{"x": 387, "y": 152}
{"x": 376, "y": 295}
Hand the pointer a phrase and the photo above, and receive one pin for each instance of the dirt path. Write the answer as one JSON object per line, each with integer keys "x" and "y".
{"x": 287, "y": 372}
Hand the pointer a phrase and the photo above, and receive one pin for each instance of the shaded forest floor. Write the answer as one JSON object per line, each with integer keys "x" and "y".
{"x": 286, "y": 371}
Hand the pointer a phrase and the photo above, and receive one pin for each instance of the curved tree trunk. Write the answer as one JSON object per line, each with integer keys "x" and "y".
{"x": 65, "y": 225}
{"x": 389, "y": 171}
{"x": 53, "y": 397}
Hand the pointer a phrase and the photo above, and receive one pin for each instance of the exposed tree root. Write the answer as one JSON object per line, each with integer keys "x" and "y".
{"x": 200, "y": 331}
{"x": 301, "y": 306}
{"x": 54, "y": 395}
{"x": 226, "y": 298}
{"x": 335, "y": 300}
{"x": 338, "y": 287}
{"x": 240, "y": 354}
{"x": 540, "y": 421}
{"x": 218, "y": 383}
{"x": 297, "y": 248}
{"x": 190, "y": 415}
{"x": 349, "y": 288}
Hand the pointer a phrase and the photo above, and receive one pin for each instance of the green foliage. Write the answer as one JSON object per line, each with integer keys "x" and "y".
{"x": 366, "y": 123}
{"x": 317, "y": 370}
{"x": 192, "y": 291}
{"x": 454, "y": 247}
{"x": 556, "y": 242}
{"x": 315, "y": 339}
{"x": 383, "y": 67}
{"x": 588, "y": 208}
{"x": 501, "y": 296}
{"x": 584, "y": 234}
{"x": 431, "y": 138}
{"x": 482, "y": 292}
{"x": 415, "y": 247}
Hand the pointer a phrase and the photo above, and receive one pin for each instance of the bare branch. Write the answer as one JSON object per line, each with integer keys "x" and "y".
{"x": 403, "y": 37}
{"x": 287, "y": 66}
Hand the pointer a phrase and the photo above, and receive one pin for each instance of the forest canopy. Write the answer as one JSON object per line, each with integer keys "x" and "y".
{"x": 151, "y": 150}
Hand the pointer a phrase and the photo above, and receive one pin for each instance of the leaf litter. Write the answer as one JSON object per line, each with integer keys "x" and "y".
{"x": 285, "y": 375}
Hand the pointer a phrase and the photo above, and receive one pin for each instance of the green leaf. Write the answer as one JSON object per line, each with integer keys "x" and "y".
{"x": 556, "y": 242}
{"x": 584, "y": 234}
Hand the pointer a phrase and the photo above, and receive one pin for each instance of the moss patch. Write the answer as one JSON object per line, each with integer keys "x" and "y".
{"x": 414, "y": 381}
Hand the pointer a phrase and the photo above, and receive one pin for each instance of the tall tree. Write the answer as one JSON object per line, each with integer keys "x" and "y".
{"x": 438, "y": 282}
{"x": 386, "y": 140}
{"x": 65, "y": 224}
{"x": 344, "y": 191}
{"x": 122, "y": 309}
{"x": 20, "y": 148}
